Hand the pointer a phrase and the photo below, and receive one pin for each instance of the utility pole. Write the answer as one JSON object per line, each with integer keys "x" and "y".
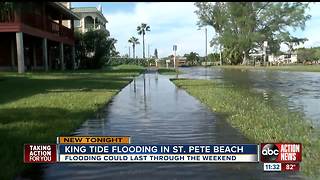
{"x": 265, "y": 45}
{"x": 206, "y": 58}
{"x": 220, "y": 55}
{"x": 148, "y": 50}
{"x": 129, "y": 51}
{"x": 174, "y": 56}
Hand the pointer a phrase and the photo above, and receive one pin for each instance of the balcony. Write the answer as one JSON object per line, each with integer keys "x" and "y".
{"x": 47, "y": 25}
{"x": 90, "y": 26}
{"x": 38, "y": 22}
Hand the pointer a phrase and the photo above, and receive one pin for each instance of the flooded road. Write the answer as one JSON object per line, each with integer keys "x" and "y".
{"x": 302, "y": 89}
{"x": 153, "y": 111}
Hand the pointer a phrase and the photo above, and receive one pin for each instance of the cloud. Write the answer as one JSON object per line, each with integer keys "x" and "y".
{"x": 170, "y": 23}
{"x": 175, "y": 23}
{"x": 311, "y": 30}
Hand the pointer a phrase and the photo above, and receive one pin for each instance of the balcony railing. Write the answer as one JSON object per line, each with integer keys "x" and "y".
{"x": 42, "y": 23}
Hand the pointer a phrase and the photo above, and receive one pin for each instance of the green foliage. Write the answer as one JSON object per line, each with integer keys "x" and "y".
{"x": 126, "y": 60}
{"x": 50, "y": 105}
{"x": 257, "y": 119}
{"x": 94, "y": 48}
{"x": 244, "y": 26}
{"x": 142, "y": 29}
{"x": 214, "y": 57}
{"x": 293, "y": 67}
{"x": 133, "y": 40}
{"x": 192, "y": 58}
{"x": 308, "y": 54}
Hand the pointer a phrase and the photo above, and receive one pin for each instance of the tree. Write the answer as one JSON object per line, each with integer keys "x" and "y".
{"x": 134, "y": 41}
{"x": 308, "y": 54}
{"x": 292, "y": 41}
{"x": 142, "y": 29}
{"x": 156, "y": 53}
{"x": 305, "y": 55}
{"x": 94, "y": 48}
{"x": 113, "y": 50}
{"x": 214, "y": 57}
{"x": 192, "y": 58}
{"x": 244, "y": 26}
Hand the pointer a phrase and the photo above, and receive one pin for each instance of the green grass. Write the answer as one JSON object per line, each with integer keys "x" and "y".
{"x": 38, "y": 107}
{"x": 301, "y": 68}
{"x": 169, "y": 71}
{"x": 257, "y": 119}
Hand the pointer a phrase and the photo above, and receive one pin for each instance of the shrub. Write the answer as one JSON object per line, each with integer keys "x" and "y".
{"x": 93, "y": 49}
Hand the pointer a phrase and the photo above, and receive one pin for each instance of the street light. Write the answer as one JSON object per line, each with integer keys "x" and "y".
{"x": 174, "y": 56}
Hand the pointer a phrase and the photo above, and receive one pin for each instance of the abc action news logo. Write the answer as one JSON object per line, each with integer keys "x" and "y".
{"x": 281, "y": 152}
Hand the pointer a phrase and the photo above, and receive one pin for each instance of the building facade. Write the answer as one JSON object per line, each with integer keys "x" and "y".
{"x": 91, "y": 18}
{"x": 284, "y": 59}
{"x": 33, "y": 36}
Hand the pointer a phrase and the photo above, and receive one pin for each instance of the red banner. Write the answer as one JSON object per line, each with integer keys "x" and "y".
{"x": 40, "y": 153}
{"x": 281, "y": 152}
{"x": 290, "y": 167}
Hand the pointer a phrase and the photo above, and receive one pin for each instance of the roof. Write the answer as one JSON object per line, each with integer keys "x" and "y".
{"x": 65, "y": 9}
{"x": 88, "y": 9}
{"x": 84, "y": 9}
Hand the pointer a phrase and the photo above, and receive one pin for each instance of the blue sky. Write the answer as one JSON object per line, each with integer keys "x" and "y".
{"x": 174, "y": 23}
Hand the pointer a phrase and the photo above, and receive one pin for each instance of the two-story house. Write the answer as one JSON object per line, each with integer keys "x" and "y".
{"x": 33, "y": 36}
{"x": 90, "y": 18}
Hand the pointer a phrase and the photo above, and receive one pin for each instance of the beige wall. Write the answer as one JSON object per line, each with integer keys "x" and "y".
{"x": 66, "y": 4}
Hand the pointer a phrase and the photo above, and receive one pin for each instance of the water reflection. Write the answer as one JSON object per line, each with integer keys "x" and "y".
{"x": 164, "y": 114}
{"x": 301, "y": 88}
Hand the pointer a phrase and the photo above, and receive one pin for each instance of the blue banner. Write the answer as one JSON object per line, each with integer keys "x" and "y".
{"x": 158, "y": 149}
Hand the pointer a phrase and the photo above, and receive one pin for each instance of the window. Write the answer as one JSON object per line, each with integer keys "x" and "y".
{"x": 77, "y": 23}
{"x": 88, "y": 22}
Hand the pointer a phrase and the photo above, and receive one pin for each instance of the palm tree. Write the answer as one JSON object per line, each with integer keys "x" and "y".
{"x": 134, "y": 41}
{"x": 142, "y": 29}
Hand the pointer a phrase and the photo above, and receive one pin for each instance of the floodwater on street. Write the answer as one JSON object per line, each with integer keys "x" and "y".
{"x": 302, "y": 89}
{"x": 152, "y": 110}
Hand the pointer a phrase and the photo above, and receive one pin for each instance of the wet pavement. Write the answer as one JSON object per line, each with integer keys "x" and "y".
{"x": 152, "y": 110}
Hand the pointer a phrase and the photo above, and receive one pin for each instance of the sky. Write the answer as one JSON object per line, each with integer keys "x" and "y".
{"x": 174, "y": 23}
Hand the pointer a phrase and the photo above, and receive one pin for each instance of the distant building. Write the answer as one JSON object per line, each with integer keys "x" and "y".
{"x": 180, "y": 60}
{"x": 90, "y": 18}
{"x": 285, "y": 58}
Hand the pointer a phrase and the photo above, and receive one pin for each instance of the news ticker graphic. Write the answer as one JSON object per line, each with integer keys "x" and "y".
{"x": 158, "y": 153}
{"x": 93, "y": 140}
{"x": 281, "y": 152}
{"x": 281, "y": 167}
{"x": 275, "y": 156}
{"x": 281, "y": 156}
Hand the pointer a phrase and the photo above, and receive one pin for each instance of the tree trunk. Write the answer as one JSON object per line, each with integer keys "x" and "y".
{"x": 134, "y": 51}
{"x": 245, "y": 59}
{"x": 143, "y": 45}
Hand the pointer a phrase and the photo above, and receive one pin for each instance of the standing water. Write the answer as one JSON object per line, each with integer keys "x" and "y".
{"x": 152, "y": 110}
{"x": 302, "y": 89}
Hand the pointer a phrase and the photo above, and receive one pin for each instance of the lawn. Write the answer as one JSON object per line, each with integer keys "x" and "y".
{"x": 38, "y": 107}
{"x": 257, "y": 119}
{"x": 302, "y": 68}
